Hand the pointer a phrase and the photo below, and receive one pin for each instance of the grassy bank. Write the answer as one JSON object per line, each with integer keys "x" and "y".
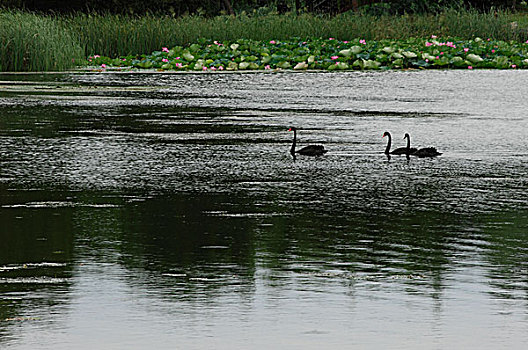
{"x": 36, "y": 42}
{"x": 116, "y": 35}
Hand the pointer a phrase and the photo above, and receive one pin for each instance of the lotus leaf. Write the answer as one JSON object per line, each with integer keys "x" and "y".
{"x": 232, "y": 66}
{"x": 284, "y": 64}
{"x": 301, "y": 65}
{"x": 370, "y": 64}
{"x": 429, "y": 57}
{"x": 358, "y": 64}
{"x": 474, "y": 58}
{"x": 457, "y": 60}
{"x": 187, "y": 56}
{"x": 356, "y": 49}
{"x": 398, "y": 63}
{"x": 198, "y": 65}
{"x": 409, "y": 54}
{"x": 195, "y": 47}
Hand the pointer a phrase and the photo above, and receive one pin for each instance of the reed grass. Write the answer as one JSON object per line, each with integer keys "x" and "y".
{"x": 29, "y": 42}
{"x": 118, "y": 35}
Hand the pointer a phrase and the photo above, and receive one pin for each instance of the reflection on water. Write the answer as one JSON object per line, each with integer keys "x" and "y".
{"x": 142, "y": 210}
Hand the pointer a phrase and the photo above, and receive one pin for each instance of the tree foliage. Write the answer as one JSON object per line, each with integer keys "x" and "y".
{"x": 218, "y": 7}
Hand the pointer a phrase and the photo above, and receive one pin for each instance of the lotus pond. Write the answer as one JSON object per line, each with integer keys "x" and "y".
{"x": 328, "y": 54}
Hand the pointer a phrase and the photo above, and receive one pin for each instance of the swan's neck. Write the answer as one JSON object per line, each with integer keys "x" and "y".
{"x": 408, "y": 150}
{"x": 292, "y": 150}
{"x": 387, "y": 150}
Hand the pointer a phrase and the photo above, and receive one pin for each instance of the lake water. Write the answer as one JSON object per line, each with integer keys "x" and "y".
{"x": 164, "y": 211}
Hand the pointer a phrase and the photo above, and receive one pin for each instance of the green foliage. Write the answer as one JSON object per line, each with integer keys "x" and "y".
{"x": 331, "y": 54}
{"x": 115, "y": 35}
{"x": 411, "y": 6}
{"x": 36, "y": 43}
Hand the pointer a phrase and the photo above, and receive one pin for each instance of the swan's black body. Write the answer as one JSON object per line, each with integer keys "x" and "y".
{"x": 311, "y": 150}
{"x": 427, "y": 152}
{"x": 400, "y": 150}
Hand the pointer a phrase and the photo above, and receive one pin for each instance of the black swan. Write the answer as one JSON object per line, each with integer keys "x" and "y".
{"x": 400, "y": 150}
{"x": 311, "y": 150}
{"x": 422, "y": 152}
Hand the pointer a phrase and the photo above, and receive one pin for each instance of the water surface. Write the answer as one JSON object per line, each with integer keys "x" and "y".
{"x": 164, "y": 210}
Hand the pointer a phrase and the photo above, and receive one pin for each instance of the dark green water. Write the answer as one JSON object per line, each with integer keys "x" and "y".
{"x": 165, "y": 211}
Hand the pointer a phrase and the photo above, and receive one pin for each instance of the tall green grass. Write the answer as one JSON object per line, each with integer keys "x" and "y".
{"x": 114, "y": 35}
{"x": 30, "y": 42}
{"x": 36, "y": 43}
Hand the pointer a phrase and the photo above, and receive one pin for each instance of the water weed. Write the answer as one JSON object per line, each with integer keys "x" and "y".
{"x": 330, "y": 54}
{"x": 36, "y": 43}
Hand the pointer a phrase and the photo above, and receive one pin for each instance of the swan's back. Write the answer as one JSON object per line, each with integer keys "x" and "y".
{"x": 312, "y": 150}
{"x": 426, "y": 152}
{"x": 403, "y": 150}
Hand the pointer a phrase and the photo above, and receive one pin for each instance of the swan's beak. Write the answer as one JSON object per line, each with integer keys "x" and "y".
{"x": 289, "y": 129}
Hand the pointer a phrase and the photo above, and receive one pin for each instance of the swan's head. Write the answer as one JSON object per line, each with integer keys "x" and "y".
{"x": 406, "y": 136}
{"x": 292, "y": 129}
{"x": 386, "y": 133}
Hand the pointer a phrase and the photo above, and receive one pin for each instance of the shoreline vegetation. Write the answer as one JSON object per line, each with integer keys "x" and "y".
{"x": 465, "y": 39}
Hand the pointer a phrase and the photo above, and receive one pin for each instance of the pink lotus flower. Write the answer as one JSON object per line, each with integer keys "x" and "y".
{"x": 433, "y": 36}
{"x": 470, "y": 67}
{"x": 331, "y": 39}
{"x": 220, "y": 68}
{"x": 426, "y": 60}
{"x": 267, "y": 67}
{"x": 466, "y": 49}
{"x": 428, "y": 43}
{"x": 204, "y": 68}
{"x": 177, "y": 58}
{"x": 213, "y": 68}
{"x": 96, "y": 56}
{"x": 164, "y": 49}
{"x": 179, "y": 65}
{"x": 345, "y": 42}
{"x": 514, "y": 66}
{"x": 492, "y": 50}
{"x": 273, "y": 42}
{"x": 103, "y": 66}
{"x": 334, "y": 57}
{"x": 363, "y": 41}
{"x": 165, "y": 60}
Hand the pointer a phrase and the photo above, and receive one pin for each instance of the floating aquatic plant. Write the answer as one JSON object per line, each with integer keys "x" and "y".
{"x": 329, "y": 54}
